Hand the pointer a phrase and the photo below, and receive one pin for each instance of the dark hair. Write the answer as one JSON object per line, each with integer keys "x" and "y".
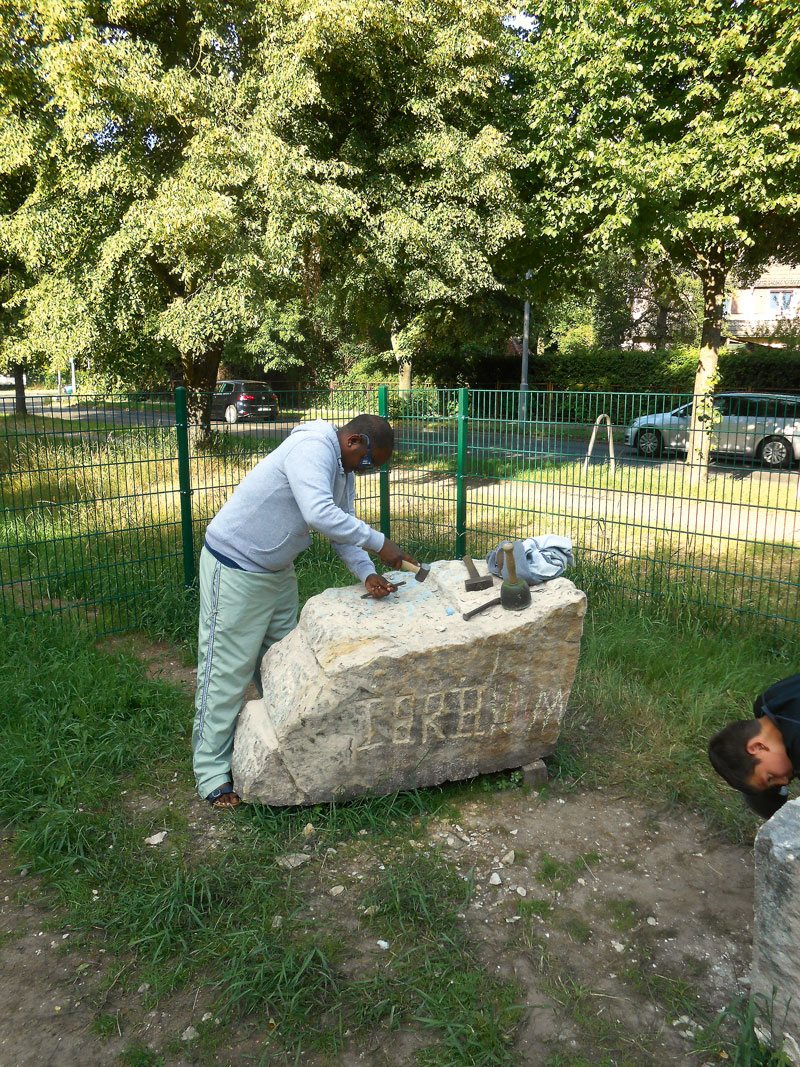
{"x": 729, "y": 757}
{"x": 377, "y": 429}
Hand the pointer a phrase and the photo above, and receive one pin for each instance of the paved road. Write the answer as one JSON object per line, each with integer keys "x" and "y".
{"x": 429, "y": 441}
{"x": 434, "y": 440}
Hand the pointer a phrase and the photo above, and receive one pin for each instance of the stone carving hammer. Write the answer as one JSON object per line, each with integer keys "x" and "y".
{"x": 420, "y": 571}
{"x": 475, "y": 580}
{"x": 514, "y": 592}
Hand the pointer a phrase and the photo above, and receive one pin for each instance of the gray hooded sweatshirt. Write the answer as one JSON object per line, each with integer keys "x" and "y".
{"x": 299, "y": 487}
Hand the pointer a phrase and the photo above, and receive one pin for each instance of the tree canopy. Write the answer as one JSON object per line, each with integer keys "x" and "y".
{"x": 24, "y": 131}
{"x": 675, "y": 122}
{"x": 184, "y": 182}
{"x": 405, "y": 109}
{"x": 231, "y": 177}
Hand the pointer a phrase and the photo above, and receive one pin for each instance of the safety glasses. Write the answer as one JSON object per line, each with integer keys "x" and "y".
{"x": 366, "y": 464}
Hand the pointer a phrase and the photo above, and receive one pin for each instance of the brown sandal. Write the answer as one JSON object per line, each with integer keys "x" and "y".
{"x": 224, "y": 797}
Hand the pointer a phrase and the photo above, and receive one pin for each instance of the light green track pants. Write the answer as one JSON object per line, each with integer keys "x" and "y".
{"x": 241, "y": 614}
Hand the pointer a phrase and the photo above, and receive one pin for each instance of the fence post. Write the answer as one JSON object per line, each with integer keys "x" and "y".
{"x": 461, "y": 463}
{"x": 385, "y": 502}
{"x": 185, "y": 484}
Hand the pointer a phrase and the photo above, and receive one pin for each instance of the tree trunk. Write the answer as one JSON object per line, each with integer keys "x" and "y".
{"x": 701, "y": 425}
{"x": 404, "y": 376}
{"x": 403, "y": 363}
{"x": 200, "y": 379}
{"x": 20, "y": 403}
{"x": 661, "y": 325}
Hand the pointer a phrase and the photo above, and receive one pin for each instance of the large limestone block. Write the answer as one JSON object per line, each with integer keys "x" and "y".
{"x": 776, "y": 933}
{"x": 370, "y": 696}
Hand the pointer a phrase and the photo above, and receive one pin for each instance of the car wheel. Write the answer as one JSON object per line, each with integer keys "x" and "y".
{"x": 231, "y": 414}
{"x": 776, "y": 452}
{"x": 649, "y": 443}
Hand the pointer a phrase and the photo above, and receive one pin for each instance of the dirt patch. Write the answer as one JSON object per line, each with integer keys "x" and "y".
{"x": 162, "y": 660}
{"x": 632, "y": 913}
{"x": 629, "y": 912}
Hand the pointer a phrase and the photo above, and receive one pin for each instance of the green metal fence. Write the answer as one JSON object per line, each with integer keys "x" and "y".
{"x": 105, "y": 499}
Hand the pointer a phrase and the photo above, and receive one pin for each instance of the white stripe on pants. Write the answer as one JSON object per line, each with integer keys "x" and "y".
{"x": 242, "y": 613}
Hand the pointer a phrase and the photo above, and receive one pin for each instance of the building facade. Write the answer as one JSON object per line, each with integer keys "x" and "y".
{"x": 768, "y": 311}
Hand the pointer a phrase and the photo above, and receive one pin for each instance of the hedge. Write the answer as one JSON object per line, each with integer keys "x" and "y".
{"x": 673, "y": 371}
{"x": 764, "y": 370}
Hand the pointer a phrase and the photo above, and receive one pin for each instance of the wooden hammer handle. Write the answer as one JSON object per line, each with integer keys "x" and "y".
{"x": 508, "y": 548}
{"x": 411, "y": 567}
{"x": 471, "y": 568}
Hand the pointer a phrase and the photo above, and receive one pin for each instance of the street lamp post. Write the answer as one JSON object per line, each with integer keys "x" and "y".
{"x": 523, "y": 385}
{"x": 526, "y": 334}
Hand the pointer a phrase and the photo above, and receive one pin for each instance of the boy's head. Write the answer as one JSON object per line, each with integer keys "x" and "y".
{"x": 751, "y": 756}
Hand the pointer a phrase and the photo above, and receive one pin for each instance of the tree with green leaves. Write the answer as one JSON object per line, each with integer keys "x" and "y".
{"x": 644, "y": 299}
{"x": 248, "y": 179}
{"x": 156, "y": 232}
{"x": 24, "y": 135}
{"x": 676, "y": 121}
{"x": 408, "y": 108}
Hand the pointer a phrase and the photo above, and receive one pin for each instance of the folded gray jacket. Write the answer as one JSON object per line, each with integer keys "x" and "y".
{"x": 537, "y": 559}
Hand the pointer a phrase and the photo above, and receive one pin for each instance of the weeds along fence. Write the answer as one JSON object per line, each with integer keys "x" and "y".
{"x": 106, "y": 498}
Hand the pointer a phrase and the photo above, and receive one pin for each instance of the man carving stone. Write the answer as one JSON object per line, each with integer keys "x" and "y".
{"x": 248, "y": 588}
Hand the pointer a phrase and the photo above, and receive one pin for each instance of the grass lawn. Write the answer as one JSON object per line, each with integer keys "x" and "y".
{"x": 85, "y": 727}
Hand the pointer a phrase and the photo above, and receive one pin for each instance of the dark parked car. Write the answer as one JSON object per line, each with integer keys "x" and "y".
{"x": 238, "y": 399}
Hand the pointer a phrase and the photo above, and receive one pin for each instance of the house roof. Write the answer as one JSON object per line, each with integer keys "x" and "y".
{"x": 777, "y": 275}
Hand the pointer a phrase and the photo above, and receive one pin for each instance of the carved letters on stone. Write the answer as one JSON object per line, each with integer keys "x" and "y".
{"x": 469, "y": 712}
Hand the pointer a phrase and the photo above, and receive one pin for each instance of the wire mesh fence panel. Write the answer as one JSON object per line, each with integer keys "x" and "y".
{"x": 423, "y": 470}
{"x": 91, "y": 517}
{"x": 692, "y": 501}
{"x": 708, "y": 516}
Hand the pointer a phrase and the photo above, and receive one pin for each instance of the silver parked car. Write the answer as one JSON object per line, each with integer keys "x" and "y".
{"x": 763, "y": 427}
